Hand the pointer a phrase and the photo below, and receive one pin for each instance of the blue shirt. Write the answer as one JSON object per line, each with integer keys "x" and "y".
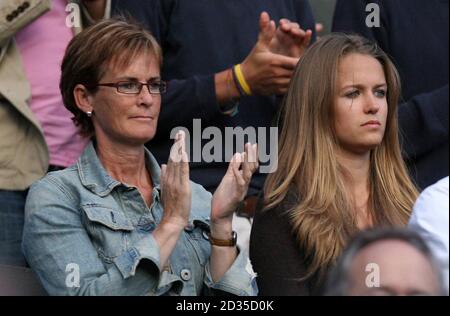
{"x": 88, "y": 234}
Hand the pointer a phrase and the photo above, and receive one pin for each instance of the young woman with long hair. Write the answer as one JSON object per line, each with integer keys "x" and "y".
{"x": 340, "y": 168}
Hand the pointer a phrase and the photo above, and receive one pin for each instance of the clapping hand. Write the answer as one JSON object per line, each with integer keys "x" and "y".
{"x": 234, "y": 185}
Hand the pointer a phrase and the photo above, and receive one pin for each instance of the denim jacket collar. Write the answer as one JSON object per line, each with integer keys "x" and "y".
{"x": 95, "y": 177}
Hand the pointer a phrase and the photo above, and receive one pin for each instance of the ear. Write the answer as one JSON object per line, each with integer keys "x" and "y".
{"x": 83, "y": 98}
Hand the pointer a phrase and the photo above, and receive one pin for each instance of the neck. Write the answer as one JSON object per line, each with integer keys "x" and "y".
{"x": 356, "y": 179}
{"x": 125, "y": 163}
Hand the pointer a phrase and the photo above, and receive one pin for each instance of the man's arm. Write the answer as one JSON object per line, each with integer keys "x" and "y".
{"x": 423, "y": 122}
{"x": 95, "y": 8}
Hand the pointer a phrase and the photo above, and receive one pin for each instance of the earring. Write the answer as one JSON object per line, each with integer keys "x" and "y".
{"x": 89, "y": 113}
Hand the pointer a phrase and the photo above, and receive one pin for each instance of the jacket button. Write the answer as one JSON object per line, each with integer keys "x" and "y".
{"x": 9, "y": 17}
{"x": 189, "y": 227}
{"x": 185, "y": 274}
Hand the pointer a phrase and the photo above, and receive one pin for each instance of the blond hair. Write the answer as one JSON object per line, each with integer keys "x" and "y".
{"x": 323, "y": 216}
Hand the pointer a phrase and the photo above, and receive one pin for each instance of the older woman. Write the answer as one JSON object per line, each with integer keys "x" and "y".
{"x": 115, "y": 223}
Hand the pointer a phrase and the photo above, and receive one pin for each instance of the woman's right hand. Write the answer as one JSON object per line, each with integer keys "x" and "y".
{"x": 175, "y": 185}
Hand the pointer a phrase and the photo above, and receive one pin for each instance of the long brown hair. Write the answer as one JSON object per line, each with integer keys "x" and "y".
{"x": 323, "y": 216}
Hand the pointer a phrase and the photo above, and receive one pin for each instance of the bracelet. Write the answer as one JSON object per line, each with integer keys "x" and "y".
{"x": 239, "y": 80}
{"x": 231, "y": 107}
{"x": 236, "y": 83}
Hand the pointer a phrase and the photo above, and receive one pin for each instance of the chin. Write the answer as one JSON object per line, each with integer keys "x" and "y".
{"x": 147, "y": 138}
{"x": 374, "y": 143}
{"x": 371, "y": 141}
{"x": 141, "y": 139}
{"x": 362, "y": 148}
{"x": 145, "y": 135}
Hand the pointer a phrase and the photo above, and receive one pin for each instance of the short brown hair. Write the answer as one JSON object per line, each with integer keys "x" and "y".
{"x": 114, "y": 41}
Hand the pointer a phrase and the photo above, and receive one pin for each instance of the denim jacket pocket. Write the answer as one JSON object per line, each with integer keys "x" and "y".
{"x": 108, "y": 230}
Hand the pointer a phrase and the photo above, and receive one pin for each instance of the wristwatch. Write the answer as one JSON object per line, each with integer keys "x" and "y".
{"x": 223, "y": 242}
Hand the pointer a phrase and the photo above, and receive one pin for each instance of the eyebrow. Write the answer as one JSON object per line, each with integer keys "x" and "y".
{"x": 359, "y": 86}
{"x": 136, "y": 79}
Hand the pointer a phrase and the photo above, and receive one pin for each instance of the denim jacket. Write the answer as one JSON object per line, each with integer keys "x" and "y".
{"x": 88, "y": 234}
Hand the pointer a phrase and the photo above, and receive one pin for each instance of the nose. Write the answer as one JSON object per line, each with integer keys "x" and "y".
{"x": 145, "y": 97}
{"x": 371, "y": 103}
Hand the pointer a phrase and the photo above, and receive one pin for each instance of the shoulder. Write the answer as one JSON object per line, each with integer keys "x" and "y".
{"x": 278, "y": 215}
{"x": 275, "y": 223}
{"x": 432, "y": 206}
{"x": 52, "y": 204}
{"x": 438, "y": 190}
{"x": 59, "y": 186}
{"x": 58, "y": 179}
{"x": 275, "y": 254}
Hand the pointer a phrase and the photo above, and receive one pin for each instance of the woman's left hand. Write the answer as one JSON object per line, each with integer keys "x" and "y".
{"x": 234, "y": 185}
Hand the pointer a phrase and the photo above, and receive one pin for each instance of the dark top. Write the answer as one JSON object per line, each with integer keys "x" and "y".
{"x": 415, "y": 34}
{"x": 277, "y": 257}
{"x": 200, "y": 38}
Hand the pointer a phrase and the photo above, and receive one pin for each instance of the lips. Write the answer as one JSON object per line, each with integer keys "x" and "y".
{"x": 142, "y": 117}
{"x": 372, "y": 122}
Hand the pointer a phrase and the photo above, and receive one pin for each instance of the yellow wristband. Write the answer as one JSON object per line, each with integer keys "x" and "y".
{"x": 241, "y": 79}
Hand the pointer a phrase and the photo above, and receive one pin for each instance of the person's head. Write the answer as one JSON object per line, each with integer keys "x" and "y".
{"x": 342, "y": 99}
{"x": 124, "y": 55}
{"x": 385, "y": 262}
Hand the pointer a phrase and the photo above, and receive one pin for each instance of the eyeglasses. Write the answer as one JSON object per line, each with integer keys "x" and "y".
{"x": 156, "y": 86}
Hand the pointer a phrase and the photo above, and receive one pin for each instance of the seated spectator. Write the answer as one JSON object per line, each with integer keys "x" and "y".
{"x": 430, "y": 218}
{"x": 340, "y": 168}
{"x": 115, "y": 223}
{"x": 385, "y": 262}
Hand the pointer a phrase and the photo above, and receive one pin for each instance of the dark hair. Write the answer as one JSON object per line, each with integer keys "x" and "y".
{"x": 338, "y": 279}
{"x": 112, "y": 42}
